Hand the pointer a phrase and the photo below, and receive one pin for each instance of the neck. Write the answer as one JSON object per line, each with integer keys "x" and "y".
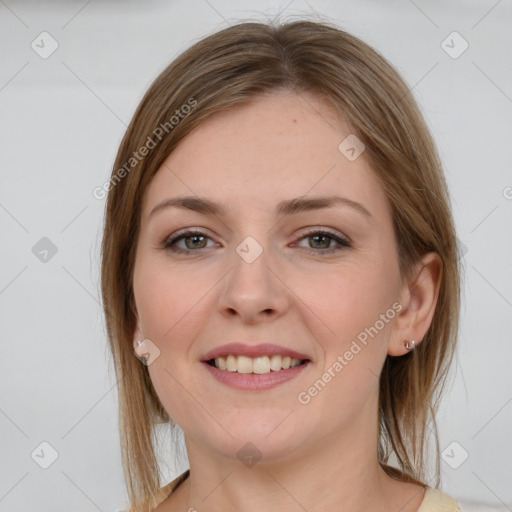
{"x": 341, "y": 468}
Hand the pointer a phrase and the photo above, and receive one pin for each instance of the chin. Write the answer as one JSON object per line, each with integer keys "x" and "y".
{"x": 266, "y": 441}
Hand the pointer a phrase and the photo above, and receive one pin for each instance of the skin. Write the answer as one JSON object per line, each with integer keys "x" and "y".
{"x": 278, "y": 147}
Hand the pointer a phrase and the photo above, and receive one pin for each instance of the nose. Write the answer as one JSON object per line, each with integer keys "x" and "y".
{"x": 254, "y": 290}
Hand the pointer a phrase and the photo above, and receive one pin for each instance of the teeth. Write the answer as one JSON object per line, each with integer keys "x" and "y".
{"x": 275, "y": 363}
{"x": 244, "y": 364}
{"x": 258, "y": 365}
{"x": 230, "y": 363}
{"x": 261, "y": 365}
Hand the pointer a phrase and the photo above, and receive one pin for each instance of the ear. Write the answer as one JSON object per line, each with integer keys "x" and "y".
{"x": 418, "y": 298}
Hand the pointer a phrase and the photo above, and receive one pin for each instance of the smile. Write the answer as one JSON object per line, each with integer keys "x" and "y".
{"x": 251, "y": 381}
{"x": 259, "y": 365}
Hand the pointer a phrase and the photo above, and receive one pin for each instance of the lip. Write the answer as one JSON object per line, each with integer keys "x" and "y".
{"x": 263, "y": 349}
{"x": 253, "y": 381}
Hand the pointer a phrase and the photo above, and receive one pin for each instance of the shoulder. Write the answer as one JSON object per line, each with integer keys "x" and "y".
{"x": 437, "y": 501}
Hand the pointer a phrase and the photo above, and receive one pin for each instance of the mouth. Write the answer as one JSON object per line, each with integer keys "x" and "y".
{"x": 256, "y": 365}
{"x": 255, "y": 374}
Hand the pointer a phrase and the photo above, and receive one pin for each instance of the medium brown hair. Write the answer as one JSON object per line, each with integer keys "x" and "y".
{"x": 229, "y": 68}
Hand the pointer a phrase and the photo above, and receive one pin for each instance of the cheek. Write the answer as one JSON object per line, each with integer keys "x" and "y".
{"x": 346, "y": 300}
{"x": 172, "y": 307}
{"x": 347, "y": 305}
{"x": 162, "y": 297}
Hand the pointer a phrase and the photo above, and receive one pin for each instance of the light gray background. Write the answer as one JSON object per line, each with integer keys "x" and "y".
{"x": 62, "y": 119}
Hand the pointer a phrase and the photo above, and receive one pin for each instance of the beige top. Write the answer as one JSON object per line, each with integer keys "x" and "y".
{"x": 433, "y": 501}
{"x": 437, "y": 501}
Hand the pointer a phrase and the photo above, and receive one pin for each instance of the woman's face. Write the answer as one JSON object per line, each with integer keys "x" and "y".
{"x": 260, "y": 273}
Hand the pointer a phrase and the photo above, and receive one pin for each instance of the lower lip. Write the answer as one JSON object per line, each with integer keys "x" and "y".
{"x": 254, "y": 381}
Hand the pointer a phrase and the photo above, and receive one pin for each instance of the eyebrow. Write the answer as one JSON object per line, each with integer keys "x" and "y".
{"x": 284, "y": 208}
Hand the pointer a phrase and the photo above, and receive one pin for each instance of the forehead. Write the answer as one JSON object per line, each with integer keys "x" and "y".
{"x": 276, "y": 147}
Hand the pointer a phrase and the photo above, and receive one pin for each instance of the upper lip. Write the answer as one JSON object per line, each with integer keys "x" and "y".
{"x": 263, "y": 349}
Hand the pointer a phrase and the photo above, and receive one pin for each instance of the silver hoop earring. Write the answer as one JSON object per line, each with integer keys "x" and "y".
{"x": 411, "y": 346}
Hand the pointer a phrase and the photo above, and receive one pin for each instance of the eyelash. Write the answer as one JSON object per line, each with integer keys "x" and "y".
{"x": 342, "y": 243}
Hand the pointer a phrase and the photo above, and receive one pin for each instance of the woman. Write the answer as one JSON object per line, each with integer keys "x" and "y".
{"x": 280, "y": 254}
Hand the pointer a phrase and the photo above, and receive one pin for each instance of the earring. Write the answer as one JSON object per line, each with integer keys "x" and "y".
{"x": 140, "y": 352}
{"x": 147, "y": 351}
{"x": 411, "y": 346}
